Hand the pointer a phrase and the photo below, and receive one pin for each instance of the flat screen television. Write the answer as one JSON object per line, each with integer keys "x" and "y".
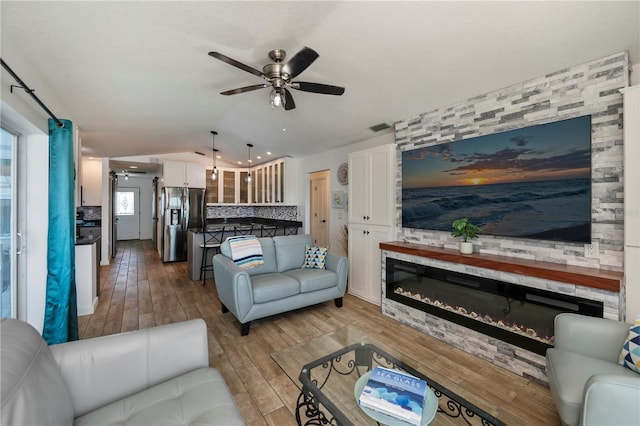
{"x": 533, "y": 182}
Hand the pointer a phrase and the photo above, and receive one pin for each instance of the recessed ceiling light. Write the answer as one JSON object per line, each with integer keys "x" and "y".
{"x": 268, "y": 153}
{"x": 219, "y": 156}
{"x": 258, "y": 157}
{"x": 133, "y": 167}
{"x": 251, "y": 161}
{"x": 239, "y": 162}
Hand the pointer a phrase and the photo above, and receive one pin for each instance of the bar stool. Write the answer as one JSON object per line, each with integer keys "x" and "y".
{"x": 291, "y": 230}
{"x": 267, "y": 231}
{"x": 211, "y": 241}
{"x": 243, "y": 230}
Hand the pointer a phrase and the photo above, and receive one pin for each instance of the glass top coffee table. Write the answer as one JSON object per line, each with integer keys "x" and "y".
{"x": 327, "y": 368}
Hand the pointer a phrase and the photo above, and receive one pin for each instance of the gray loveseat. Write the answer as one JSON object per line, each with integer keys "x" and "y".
{"x": 588, "y": 385}
{"x": 280, "y": 284}
{"x": 158, "y": 375}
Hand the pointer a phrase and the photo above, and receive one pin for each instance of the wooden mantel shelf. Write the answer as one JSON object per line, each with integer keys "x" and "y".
{"x": 587, "y": 277}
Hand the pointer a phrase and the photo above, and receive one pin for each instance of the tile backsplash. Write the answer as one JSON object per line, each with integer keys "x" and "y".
{"x": 265, "y": 212}
{"x": 91, "y": 212}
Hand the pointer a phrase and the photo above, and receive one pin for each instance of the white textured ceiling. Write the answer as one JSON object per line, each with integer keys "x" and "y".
{"x": 137, "y": 80}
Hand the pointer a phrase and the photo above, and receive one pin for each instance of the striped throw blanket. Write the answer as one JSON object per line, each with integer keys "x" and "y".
{"x": 246, "y": 251}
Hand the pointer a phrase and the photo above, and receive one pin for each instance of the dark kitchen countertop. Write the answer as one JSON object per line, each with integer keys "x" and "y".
{"x": 84, "y": 241}
{"x": 245, "y": 222}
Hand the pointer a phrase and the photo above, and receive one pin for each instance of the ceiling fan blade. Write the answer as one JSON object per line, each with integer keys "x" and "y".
{"x": 244, "y": 89}
{"x": 324, "y": 89}
{"x": 288, "y": 100}
{"x": 299, "y": 62}
{"x": 235, "y": 63}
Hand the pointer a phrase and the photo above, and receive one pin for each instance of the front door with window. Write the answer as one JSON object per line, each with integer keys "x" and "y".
{"x": 127, "y": 209}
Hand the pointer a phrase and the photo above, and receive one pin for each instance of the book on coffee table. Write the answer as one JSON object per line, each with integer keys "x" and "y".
{"x": 394, "y": 393}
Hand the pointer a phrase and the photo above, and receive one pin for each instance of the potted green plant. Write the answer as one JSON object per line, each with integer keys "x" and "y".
{"x": 468, "y": 231}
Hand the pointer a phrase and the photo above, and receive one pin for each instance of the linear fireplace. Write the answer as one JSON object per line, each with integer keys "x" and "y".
{"x": 518, "y": 315}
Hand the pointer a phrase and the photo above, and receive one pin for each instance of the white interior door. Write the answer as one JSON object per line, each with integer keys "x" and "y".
{"x": 127, "y": 213}
{"x": 319, "y": 195}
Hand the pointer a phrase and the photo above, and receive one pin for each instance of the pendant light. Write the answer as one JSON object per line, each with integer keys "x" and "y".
{"x": 250, "y": 145}
{"x": 214, "y": 171}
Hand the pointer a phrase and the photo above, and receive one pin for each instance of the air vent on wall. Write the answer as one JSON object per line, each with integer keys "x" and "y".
{"x": 380, "y": 127}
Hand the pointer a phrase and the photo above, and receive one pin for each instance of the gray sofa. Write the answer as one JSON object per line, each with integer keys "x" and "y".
{"x": 159, "y": 375}
{"x": 280, "y": 284}
{"x": 588, "y": 385}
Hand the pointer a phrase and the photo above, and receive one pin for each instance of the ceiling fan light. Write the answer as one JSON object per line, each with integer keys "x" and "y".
{"x": 277, "y": 99}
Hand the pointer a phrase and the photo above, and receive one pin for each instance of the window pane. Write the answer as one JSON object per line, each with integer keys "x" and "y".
{"x": 244, "y": 188}
{"x": 229, "y": 189}
{"x": 212, "y": 188}
{"x": 7, "y": 216}
{"x": 124, "y": 203}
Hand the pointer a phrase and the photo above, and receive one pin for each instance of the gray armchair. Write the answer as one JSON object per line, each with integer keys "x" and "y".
{"x": 151, "y": 376}
{"x": 588, "y": 385}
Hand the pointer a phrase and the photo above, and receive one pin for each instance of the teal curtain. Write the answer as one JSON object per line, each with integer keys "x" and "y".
{"x": 61, "y": 310}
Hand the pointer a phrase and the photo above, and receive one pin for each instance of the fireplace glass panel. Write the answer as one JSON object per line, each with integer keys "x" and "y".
{"x": 516, "y": 314}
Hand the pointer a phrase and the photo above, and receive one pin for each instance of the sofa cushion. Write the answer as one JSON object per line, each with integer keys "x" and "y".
{"x": 315, "y": 257}
{"x": 268, "y": 287}
{"x": 268, "y": 256}
{"x": 630, "y": 354}
{"x": 568, "y": 373}
{"x": 33, "y": 390}
{"x": 313, "y": 279}
{"x": 198, "y": 397}
{"x": 290, "y": 250}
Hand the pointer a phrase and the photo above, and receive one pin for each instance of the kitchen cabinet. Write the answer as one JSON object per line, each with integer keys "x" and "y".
{"x": 365, "y": 275}
{"x": 372, "y": 185}
{"x": 371, "y": 217}
{"x": 91, "y": 182}
{"x": 275, "y": 182}
{"x": 87, "y": 273}
{"x": 176, "y": 173}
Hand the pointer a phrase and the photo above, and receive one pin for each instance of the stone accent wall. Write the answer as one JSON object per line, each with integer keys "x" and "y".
{"x": 587, "y": 89}
{"x": 591, "y": 88}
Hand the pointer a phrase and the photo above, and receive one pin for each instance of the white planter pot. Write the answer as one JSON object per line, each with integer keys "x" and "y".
{"x": 466, "y": 248}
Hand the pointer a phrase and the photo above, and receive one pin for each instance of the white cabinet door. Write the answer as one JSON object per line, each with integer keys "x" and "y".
{"x": 91, "y": 182}
{"x": 173, "y": 173}
{"x": 176, "y": 173}
{"x": 372, "y": 186}
{"x": 358, "y": 187}
{"x": 381, "y": 176}
{"x": 365, "y": 274}
{"x": 195, "y": 175}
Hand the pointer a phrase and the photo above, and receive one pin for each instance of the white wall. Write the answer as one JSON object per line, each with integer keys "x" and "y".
{"x": 331, "y": 160}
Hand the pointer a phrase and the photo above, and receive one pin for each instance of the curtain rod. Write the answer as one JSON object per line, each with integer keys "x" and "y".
{"x": 29, "y": 91}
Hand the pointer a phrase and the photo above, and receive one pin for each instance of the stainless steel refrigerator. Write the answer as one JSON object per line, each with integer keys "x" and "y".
{"x": 182, "y": 209}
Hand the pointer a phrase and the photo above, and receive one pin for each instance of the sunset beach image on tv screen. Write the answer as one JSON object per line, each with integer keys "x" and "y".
{"x": 533, "y": 182}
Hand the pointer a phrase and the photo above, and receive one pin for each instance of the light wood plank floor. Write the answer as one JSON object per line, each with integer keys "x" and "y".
{"x": 139, "y": 291}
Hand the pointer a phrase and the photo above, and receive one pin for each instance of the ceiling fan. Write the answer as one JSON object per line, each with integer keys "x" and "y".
{"x": 279, "y": 76}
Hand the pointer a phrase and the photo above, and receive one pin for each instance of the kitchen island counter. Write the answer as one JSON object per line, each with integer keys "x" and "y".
{"x": 257, "y": 226}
